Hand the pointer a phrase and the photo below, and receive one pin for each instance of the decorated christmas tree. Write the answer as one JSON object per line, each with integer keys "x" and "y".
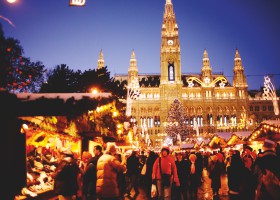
{"x": 176, "y": 127}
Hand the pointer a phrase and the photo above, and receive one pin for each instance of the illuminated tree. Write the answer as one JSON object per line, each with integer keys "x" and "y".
{"x": 18, "y": 73}
{"x": 176, "y": 126}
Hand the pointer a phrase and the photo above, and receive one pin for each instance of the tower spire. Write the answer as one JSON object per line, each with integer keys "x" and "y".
{"x": 170, "y": 53}
{"x": 100, "y": 62}
{"x": 133, "y": 69}
{"x": 206, "y": 69}
{"x": 239, "y": 78}
{"x": 168, "y": 2}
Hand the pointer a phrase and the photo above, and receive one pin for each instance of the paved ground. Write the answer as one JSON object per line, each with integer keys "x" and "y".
{"x": 204, "y": 192}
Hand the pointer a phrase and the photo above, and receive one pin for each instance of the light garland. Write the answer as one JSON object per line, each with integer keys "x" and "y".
{"x": 264, "y": 129}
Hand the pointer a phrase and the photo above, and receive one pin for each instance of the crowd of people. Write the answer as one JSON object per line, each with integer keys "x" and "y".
{"x": 107, "y": 174}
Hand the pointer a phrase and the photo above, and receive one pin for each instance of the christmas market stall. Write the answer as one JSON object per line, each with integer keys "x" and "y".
{"x": 217, "y": 142}
{"x": 42, "y": 155}
{"x": 234, "y": 140}
{"x": 269, "y": 129}
{"x": 187, "y": 146}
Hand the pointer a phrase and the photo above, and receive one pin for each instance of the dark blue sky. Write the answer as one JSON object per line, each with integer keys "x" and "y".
{"x": 53, "y": 32}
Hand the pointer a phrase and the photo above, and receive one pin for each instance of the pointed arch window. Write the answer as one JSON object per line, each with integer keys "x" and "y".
{"x": 171, "y": 71}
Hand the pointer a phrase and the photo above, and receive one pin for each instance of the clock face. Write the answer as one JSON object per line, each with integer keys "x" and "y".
{"x": 170, "y": 42}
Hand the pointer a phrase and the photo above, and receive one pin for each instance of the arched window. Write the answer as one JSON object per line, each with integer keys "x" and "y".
{"x": 171, "y": 72}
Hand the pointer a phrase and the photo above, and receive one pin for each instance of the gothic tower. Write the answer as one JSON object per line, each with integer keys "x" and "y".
{"x": 239, "y": 79}
{"x": 206, "y": 70}
{"x": 170, "y": 60}
{"x": 132, "y": 70}
{"x": 100, "y": 62}
{"x": 241, "y": 88}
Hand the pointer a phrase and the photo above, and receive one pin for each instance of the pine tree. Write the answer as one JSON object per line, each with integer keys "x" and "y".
{"x": 176, "y": 122}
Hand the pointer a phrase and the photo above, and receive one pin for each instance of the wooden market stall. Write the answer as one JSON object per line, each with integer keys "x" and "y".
{"x": 217, "y": 142}
{"x": 16, "y": 144}
{"x": 268, "y": 129}
{"x": 234, "y": 140}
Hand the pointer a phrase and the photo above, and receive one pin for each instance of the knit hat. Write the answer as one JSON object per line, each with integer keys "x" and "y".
{"x": 111, "y": 148}
{"x": 269, "y": 144}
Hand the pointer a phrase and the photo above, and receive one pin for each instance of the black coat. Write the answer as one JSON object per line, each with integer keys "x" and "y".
{"x": 89, "y": 178}
{"x": 66, "y": 177}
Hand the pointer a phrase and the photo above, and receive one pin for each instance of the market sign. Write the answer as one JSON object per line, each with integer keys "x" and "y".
{"x": 77, "y": 2}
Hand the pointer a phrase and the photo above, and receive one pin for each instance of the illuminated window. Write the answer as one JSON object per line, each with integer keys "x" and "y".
{"x": 171, "y": 74}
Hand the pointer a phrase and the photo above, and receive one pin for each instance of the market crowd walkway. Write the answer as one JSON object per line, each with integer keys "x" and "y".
{"x": 204, "y": 192}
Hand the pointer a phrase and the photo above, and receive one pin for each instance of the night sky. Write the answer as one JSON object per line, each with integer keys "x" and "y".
{"x": 55, "y": 33}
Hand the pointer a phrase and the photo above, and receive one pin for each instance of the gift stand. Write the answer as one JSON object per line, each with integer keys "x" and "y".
{"x": 42, "y": 157}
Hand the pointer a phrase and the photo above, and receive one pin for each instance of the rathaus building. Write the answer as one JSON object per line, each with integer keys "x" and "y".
{"x": 212, "y": 104}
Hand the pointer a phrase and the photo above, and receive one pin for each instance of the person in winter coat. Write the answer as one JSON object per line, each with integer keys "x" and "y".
{"x": 89, "y": 180}
{"x": 184, "y": 177}
{"x": 165, "y": 165}
{"x": 152, "y": 156}
{"x": 215, "y": 171}
{"x": 238, "y": 177}
{"x": 194, "y": 174}
{"x": 267, "y": 173}
{"x": 66, "y": 176}
{"x": 108, "y": 167}
{"x": 133, "y": 171}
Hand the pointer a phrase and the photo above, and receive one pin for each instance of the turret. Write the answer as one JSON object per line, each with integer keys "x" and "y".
{"x": 133, "y": 70}
{"x": 239, "y": 79}
{"x": 206, "y": 70}
{"x": 100, "y": 62}
{"x": 170, "y": 53}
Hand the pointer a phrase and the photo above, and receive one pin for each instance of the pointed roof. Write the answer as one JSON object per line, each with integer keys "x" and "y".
{"x": 205, "y": 61}
{"x": 101, "y": 55}
{"x": 168, "y": 2}
{"x": 100, "y": 62}
{"x": 132, "y": 54}
{"x": 237, "y": 55}
{"x": 205, "y": 54}
{"x": 133, "y": 62}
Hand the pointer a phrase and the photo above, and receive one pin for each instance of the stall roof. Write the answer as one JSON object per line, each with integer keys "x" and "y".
{"x": 224, "y": 135}
{"x": 64, "y": 96}
{"x": 268, "y": 129}
{"x": 243, "y": 134}
{"x": 187, "y": 146}
{"x": 272, "y": 122}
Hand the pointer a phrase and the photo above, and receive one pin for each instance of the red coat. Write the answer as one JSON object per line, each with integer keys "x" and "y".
{"x": 168, "y": 166}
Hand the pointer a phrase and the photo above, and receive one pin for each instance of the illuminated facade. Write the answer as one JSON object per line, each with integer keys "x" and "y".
{"x": 212, "y": 103}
